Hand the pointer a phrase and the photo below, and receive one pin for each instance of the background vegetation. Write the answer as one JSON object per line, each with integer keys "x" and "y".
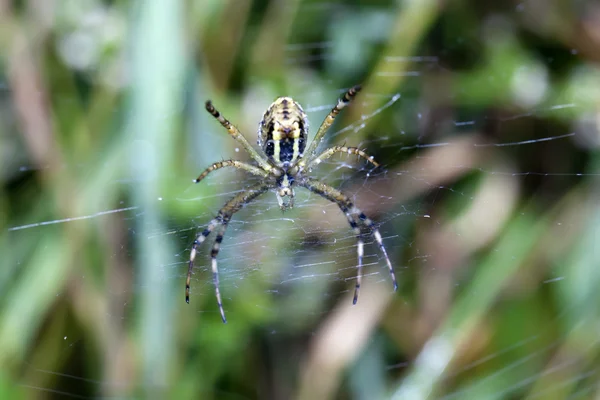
{"x": 488, "y": 200}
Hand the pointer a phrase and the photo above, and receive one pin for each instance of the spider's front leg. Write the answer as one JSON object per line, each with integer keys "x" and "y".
{"x": 260, "y": 158}
{"x": 232, "y": 163}
{"x": 340, "y": 149}
{"x": 221, "y": 220}
{"x": 355, "y": 217}
{"x": 309, "y": 153}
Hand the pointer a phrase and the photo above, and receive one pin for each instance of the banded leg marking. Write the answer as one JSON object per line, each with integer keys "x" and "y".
{"x": 360, "y": 245}
{"x": 215, "y": 268}
{"x": 350, "y": 210}
{"x": 199, "y": 240}
{"x": 221, "y": 220}
{"x": 375, "y": 232}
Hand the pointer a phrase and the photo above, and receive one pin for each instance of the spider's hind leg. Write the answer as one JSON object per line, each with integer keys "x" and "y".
{"x": 221, "y": 223}
{"x": 222, "y": 220}
{"x": 360, "y": 246}
{"x": 355, "y": 218}
{"x": 199, "y": 240}
{"x": 215, "y": 268}
{"x": 375, "y": 232}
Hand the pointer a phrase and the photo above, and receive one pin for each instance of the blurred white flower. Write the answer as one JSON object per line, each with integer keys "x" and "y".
{"x": 529, "y": 84}
{"x": 79, "y": 50}
{"x": 91, "y": 40}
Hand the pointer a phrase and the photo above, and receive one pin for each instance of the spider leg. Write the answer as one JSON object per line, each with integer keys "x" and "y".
{"x": 199, "y": 240}
{"x": 222, "y": 224}
{"x": 375, "y": 232}
{"x": 340, "y": 149}
{"x": 351, "y": 211}
{"x": 221, "y": 220}
{"x": 235, "y": 133}
{"x": 327, "y": 122}
{"x": 232, "y": 163}
{"x": 215, "y": 268}
{"x": 360, "y": 245}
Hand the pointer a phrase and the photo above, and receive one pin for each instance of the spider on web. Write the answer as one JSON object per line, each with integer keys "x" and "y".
{"x": 282, "y": 163}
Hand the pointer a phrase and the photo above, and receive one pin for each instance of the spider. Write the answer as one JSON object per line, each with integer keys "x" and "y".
{"x": 282, "y": 161}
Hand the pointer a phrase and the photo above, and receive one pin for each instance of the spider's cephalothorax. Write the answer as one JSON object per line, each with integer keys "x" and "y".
{"x": 283, "y": 161}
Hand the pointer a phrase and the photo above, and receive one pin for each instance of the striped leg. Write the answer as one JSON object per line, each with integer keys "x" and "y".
{"x": 360, "y": 245}
{"x": 221, "y": 220}
{"x": 350, "y": 210}
{"x": 215, "y": 269}
{"x": 375, "y": 232}
{"x": 327, "y": 122}
{"x": 199, "y": 240}
{"x": 232, "y": 163}
{"x": 222, "y": 224}
{"x": 341, "y": 149}
{"x": 235, "y": 133}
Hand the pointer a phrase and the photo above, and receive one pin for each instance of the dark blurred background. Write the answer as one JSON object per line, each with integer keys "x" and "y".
{"x": 484, "y": 116}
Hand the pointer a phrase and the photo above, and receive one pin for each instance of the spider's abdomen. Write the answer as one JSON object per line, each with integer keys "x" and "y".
{"x": 283, "y": 130}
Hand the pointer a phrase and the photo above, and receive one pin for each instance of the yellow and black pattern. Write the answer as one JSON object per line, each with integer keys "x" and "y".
{"x": 282, "y": 131}
{"x": 283, "y": 162}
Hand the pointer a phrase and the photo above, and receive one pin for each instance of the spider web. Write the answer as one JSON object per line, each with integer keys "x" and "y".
{"x": 293, "y": 269}
{"x": 288, "y": 249}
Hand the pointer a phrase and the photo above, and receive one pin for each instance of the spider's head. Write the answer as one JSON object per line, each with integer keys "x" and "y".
{"x": 285, "y": 192}
{"x": 283, "y": 130}
{"x": 285, "y": 196}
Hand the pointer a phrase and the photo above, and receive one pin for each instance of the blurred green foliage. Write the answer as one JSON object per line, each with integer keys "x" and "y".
{"x": 488, "y": 200}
